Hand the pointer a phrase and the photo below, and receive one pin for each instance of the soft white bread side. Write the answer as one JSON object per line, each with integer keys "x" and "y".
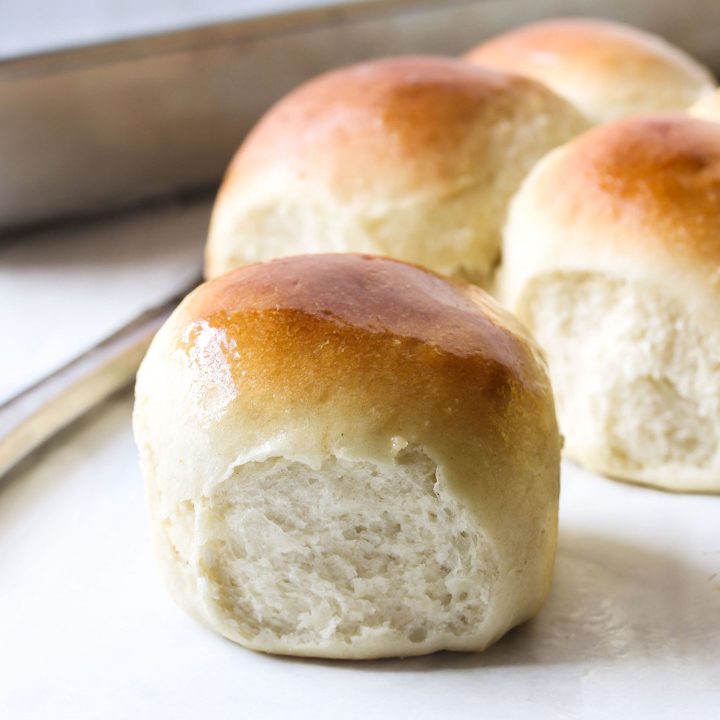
{"x": 708, "y": 107}
{"x": 349, "y": 457}
{"x": 606, "y": 69}
{"x": 618, "y": 277}
{"x": 413, "y": 158}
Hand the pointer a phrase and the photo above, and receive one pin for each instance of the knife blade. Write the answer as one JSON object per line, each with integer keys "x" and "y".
{"x": 38, "y": 412}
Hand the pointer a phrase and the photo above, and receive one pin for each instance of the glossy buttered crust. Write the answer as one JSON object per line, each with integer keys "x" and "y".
{"x": 344, "y": 356}
{"x": 640, "y": 197}
{"x": 609, "y": 70}
{"x": 413, "y": 158}
{"x": 402, "y": 122}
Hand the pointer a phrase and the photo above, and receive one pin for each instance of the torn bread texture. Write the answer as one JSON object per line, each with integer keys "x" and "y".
{"x": 617, "y": 275}
{"x": 344, "y": 559}
{"x": 349, "y": 457}
{"x": 637, "y": 381}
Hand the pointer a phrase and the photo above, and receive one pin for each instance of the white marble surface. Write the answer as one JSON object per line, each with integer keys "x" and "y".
{"x": 631, "y": 630}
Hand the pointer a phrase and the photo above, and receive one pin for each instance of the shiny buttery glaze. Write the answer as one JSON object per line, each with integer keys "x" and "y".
{"x": 657, "y": 177}
{"x": 606, "y": 69}
{"x": 351, "y": 336}
{"x": 553, "y": 42}
{"x": 361, "y": 296}
{"x": 422, "y": 118}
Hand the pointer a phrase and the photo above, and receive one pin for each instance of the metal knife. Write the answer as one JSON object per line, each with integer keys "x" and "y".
{"x": 37, "y": 413}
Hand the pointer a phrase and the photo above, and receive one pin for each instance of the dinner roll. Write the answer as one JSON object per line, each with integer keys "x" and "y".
{"x": 618, "y": 277}
{"x": 708, "y": 107}
{"x": 413, "y": 158}
{"x": 351, "y": 457}
{"x": 607, "y": 69}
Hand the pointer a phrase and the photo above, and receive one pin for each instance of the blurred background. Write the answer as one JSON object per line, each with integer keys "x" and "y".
{"x": 110, "y": 103}
{"x": 118, "y": 117}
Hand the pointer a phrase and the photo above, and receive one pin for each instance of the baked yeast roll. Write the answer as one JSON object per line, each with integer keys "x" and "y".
{"x": 349, "y": 457}
{"x": 612, "y": 259}
{"x": 607, "y": 69}
{"x": 414, "y": 158}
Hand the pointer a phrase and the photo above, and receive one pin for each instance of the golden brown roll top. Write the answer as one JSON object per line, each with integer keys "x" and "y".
{"x": 392, "y": 337}
{"x": 349, "y": 333}
{"x": 413, "y": 158}
{"x": 402, "y": 121}
{"x": 389, "y": 372}
{"x": 607, "y": 69}
{"x": 360, "y": 297}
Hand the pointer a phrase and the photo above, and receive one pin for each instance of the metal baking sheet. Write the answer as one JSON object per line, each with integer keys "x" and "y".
{"x": 88, "y": 129}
